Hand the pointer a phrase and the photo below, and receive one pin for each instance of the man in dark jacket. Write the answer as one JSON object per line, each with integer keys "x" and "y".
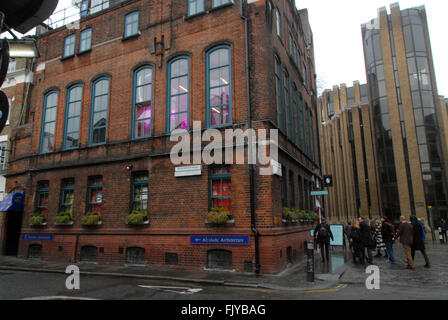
{"x": 366, "y": 238}
{"x": 387, "y": 232}
{"x": 322, "y": 235}
{"x": 419, "y": 240}
{"x": 444, "y": 229}
{"x": 406, "y": 235}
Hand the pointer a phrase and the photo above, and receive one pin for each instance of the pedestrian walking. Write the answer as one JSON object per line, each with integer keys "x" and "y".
{"x": 380, "y": 245}
{"x": 367, "y": 239}
{"x": 347, "y": 232}
{"x": 419, "y": 240}
{"x": 388, "y": 234}
{"x": 406, "y": 235}
{"x": 357, "y": 244}
{"x": 443, "y": 225}
{"x": 322, "y": 235}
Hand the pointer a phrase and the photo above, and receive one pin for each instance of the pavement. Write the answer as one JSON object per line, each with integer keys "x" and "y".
{"x": 294, "y": 277}
{"x": 340, "y": 270}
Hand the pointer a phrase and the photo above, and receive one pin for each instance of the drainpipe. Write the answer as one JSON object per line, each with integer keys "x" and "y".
{"x": 251, "y": 166}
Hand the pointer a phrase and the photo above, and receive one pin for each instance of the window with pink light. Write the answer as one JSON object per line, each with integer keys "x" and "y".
{"x": 178, "y": 93}
{"x": 142, "y": 105}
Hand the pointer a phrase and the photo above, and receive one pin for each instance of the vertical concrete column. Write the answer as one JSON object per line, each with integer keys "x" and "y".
{"x": 397, "y": 138}
{"x": 360, "y": 162}
{"x": 371, "y": 162}
{"x": 408, "y": 114}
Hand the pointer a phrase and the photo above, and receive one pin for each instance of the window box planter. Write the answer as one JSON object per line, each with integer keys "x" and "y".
{"x": 219, "y": 217}
{"x": 290, "y": 221}
{"x": 91, "y": 219}
{"x": 38, "y": 220}
{"x": 63, "y": 218}
{"x": 228, "y": 223}
{"x": 137, "y": 218}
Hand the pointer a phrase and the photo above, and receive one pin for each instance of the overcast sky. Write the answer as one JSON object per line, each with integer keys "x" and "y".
{"x": 336, "y": 26}
{"x": 338, "y": 43}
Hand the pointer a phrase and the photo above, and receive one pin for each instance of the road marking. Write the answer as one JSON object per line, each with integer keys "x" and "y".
{"x": 58, "y": 298}
{"x": 339, "y": 287}
{"x": 183, "y": 290}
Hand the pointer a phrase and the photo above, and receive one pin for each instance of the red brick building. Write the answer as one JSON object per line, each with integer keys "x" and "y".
{"x": 105, "y": 99}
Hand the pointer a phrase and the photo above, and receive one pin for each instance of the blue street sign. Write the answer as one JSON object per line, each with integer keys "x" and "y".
{"x": 233, "y": 240}
{"x": 32, "y": 236}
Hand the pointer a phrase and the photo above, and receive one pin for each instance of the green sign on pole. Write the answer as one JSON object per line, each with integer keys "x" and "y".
{"x": 319, "y": 193}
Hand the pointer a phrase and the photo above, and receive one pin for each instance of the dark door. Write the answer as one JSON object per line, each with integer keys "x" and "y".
{"x": 13, "y": 228}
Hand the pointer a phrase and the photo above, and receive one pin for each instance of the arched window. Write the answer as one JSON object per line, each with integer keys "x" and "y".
{"x": 178, "y": 94}
{"x": 219, "y": 259}
{"x": 279, "y": 95}
{"x": 72, "y": 117}
{"x": 48, "y": 122}
{"x": 98, "y": 112}
{"x": 89, "y": 254}
{"x": 35, "y": 251}
{"x": 219, "y": 87}
{"x": 135, "y": 255}
{"x": 142, "y": 102}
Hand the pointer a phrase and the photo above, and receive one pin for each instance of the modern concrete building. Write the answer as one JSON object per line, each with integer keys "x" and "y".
{"x": 348, "y": 154}
{"x": 109, "y": 90}
{"x": 404, "y": 99}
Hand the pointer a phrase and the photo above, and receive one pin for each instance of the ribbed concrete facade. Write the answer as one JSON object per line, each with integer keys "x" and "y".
{"x": 348, "y": 154}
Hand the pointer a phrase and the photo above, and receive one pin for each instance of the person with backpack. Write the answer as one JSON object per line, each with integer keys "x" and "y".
{"x": 367, "y": 238}
{"x": 419, "y": 239}
{"x": 322, "y": 235}
{"x": 388, "y": 234}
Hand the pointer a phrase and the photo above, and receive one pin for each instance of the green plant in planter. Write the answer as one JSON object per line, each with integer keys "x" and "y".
{"x": 63, "y": 217}
{"x": 137, "y": 217}
{"x": 306, "y": 215}
{"x": 286, "y": 213}
{"x": 37, "y": 219}
{"x": 301, "y": 215}
{"x": 219, "y": 215}
{"x": 314, "y": 216}
{"x": 90, "y": 219}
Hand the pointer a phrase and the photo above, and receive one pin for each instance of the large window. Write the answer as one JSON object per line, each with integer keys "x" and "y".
{"x": 288, "y": 105}
{"x": 279, "y": 89}
{"x": 48, "y": 122}
{"x": 95, "y": 194}
{"x": 98, "y": 116}
{"x": 142, "y": 102}
{"x": 220, "y": 188}
{"x": 131, "y": 24}
{"x": 42, "y": 197}
{"x": 69, "y": 45}
{"x": 219, "y": 88}
{"x": 98, "y": 5}
{"x": 195, "y": 7}
{"x": 85, "y": 42}
{"x": 67, "y": 195}
{"x": 140, "y": 192}
{"x": 278, "y": 23}
{"x": 217, "y": 3}
{"x": 3, "y": 147}
{"x": 72, "y": 117}
{"x": 178, "y": 94}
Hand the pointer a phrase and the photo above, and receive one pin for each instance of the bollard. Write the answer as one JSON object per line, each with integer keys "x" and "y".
{"x": 440, "y": 235}
{"x": 309, "y": 247}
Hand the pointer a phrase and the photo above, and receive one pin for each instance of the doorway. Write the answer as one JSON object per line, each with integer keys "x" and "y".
{"x": 13, "y": 228}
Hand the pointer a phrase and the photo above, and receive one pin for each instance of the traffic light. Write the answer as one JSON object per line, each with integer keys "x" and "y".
{"x": 328, "y": 181}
